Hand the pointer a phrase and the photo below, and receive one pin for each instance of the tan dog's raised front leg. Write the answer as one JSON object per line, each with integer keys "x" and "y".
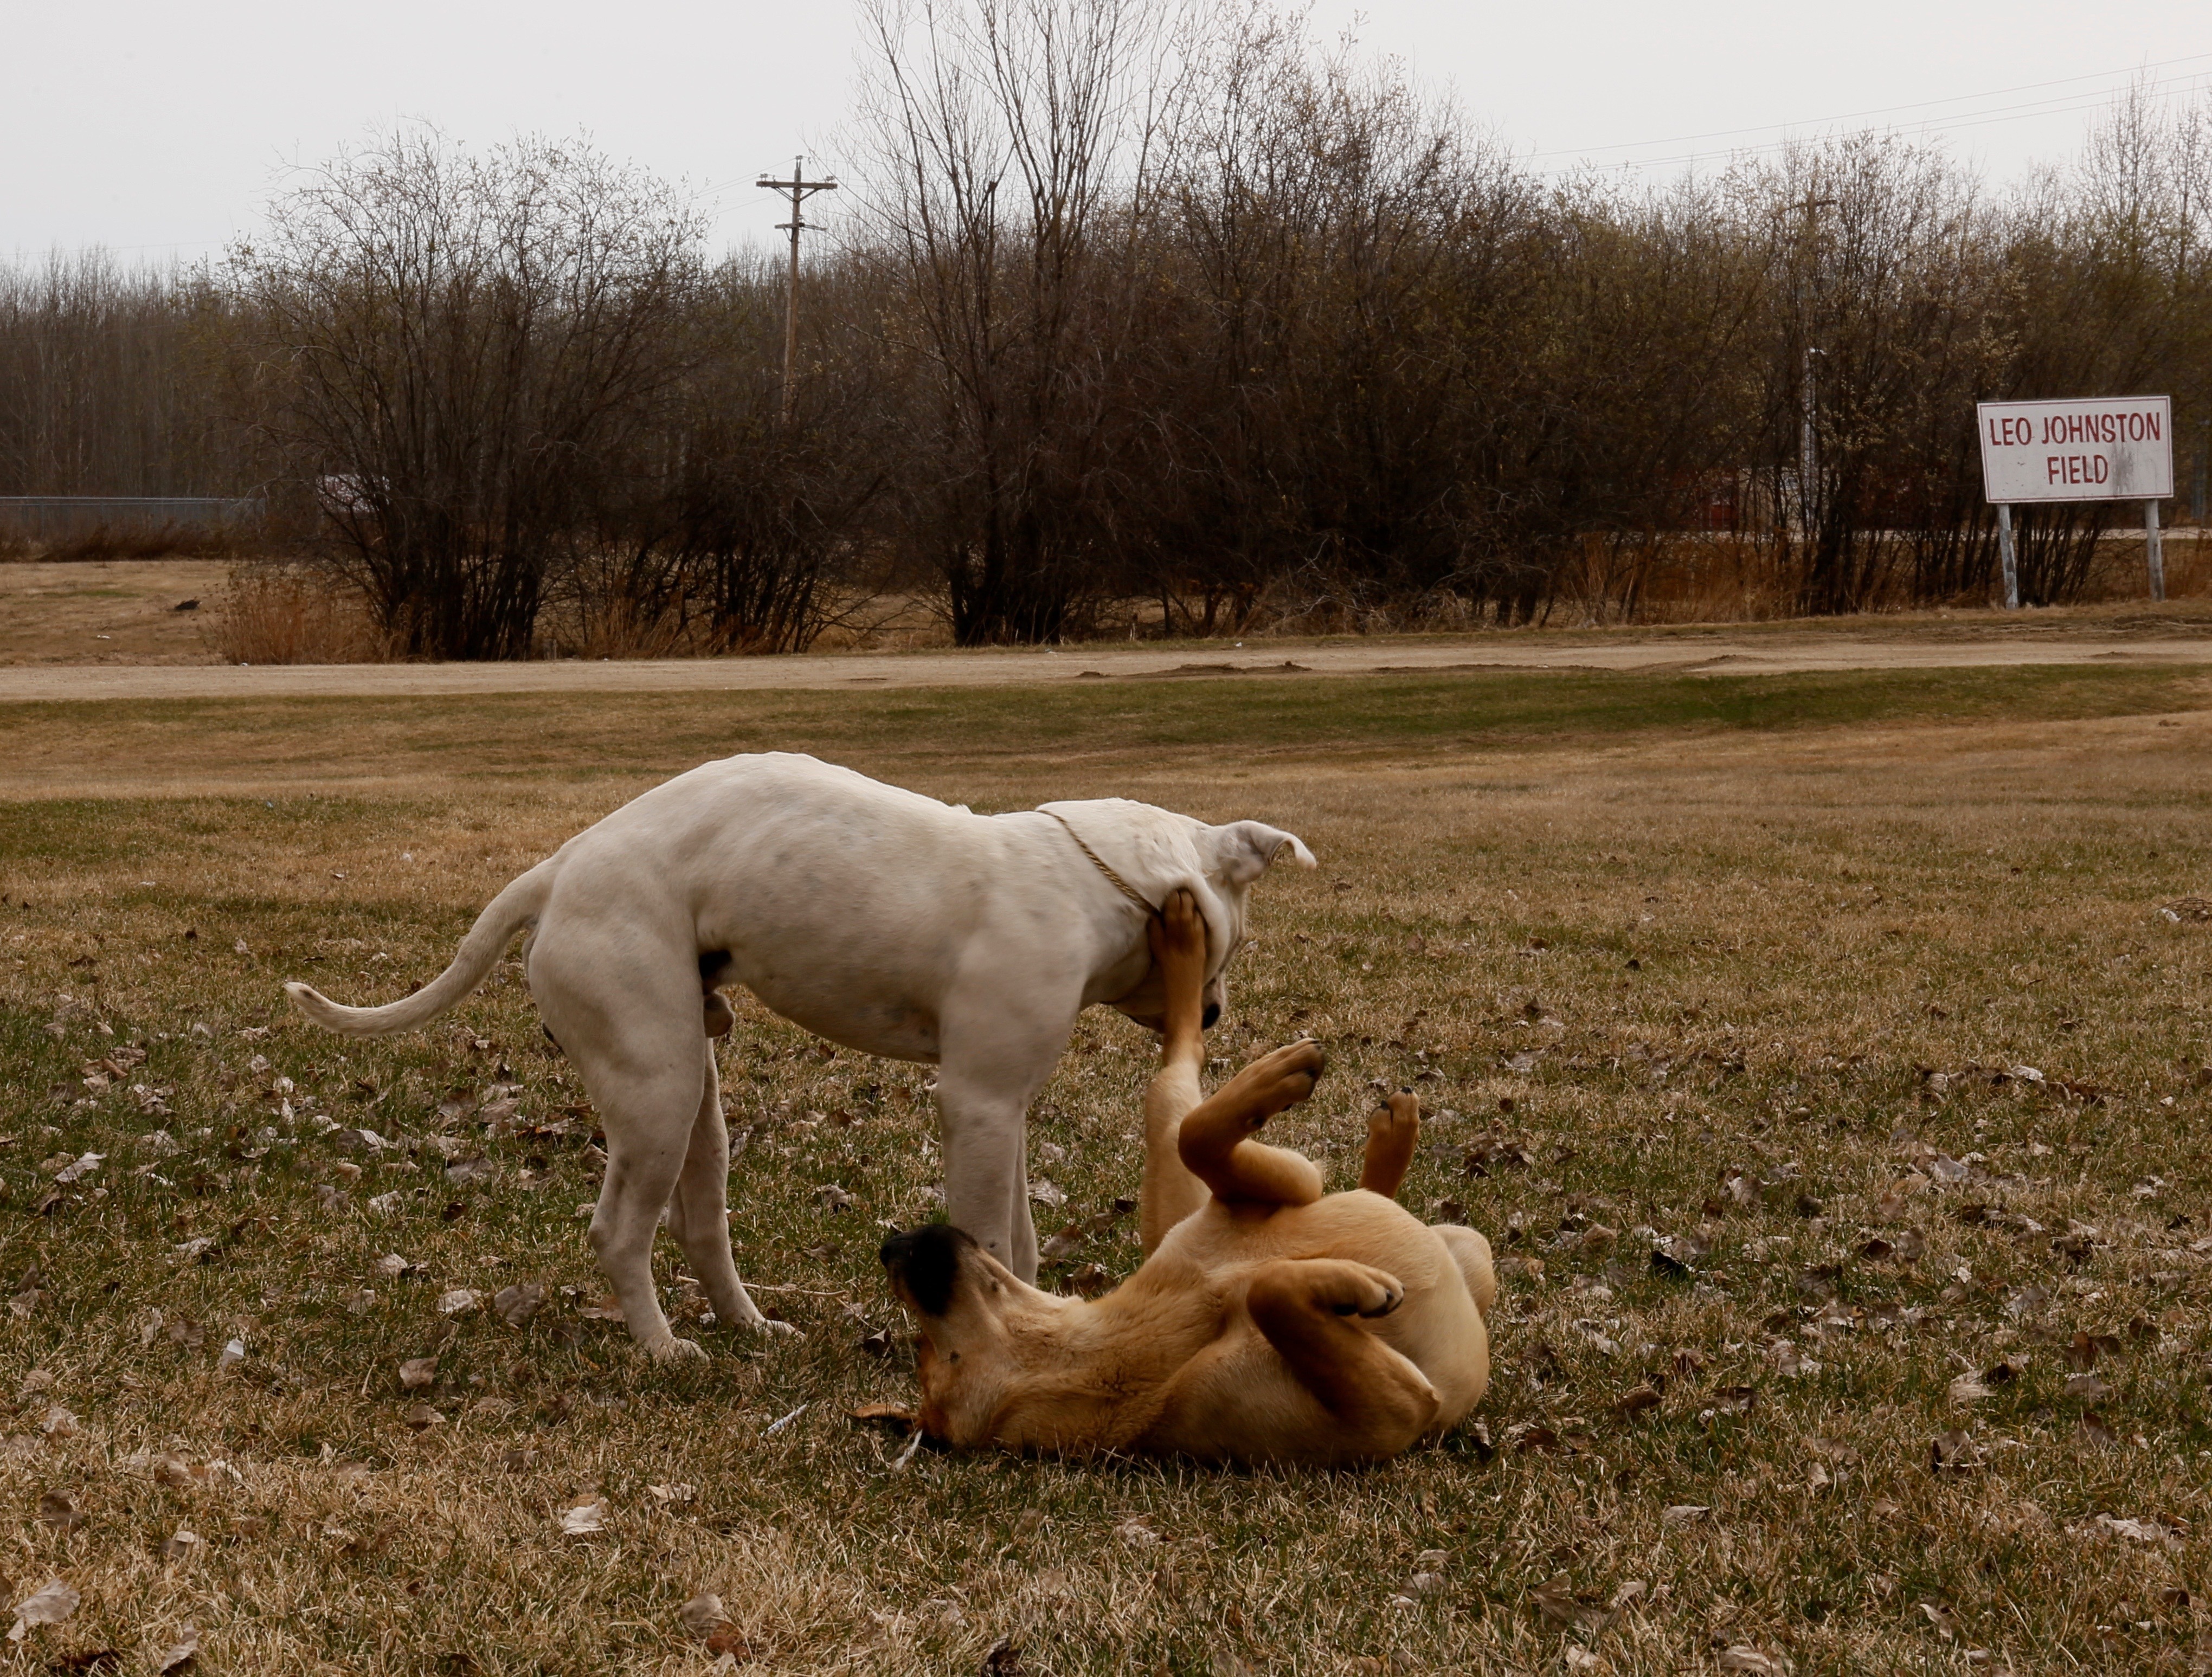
{"x": 1171, "y": 1192}
{"x": 1391, "y": 1134}
{"x": 1304, "y": 1306}
{"x": 1215, "y": 1139}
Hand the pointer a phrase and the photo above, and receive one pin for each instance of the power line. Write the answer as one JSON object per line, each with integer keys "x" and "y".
{"x": 1883, "y": 109}
{"x": 2066, "y": 105}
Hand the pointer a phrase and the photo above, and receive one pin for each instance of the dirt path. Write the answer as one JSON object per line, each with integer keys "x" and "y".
{"x": 1716, "y": 653}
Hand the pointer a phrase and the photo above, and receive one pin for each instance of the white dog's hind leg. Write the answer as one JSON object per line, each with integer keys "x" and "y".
{"x": 699, "y": 1212}
{"x": 646, "y": 1092}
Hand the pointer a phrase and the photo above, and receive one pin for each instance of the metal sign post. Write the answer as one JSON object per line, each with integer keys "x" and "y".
{"x": 2010, "y": 558}
{"x": 2079, "y": 448}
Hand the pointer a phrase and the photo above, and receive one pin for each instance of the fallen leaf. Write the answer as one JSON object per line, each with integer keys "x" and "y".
{"x": 2089, "y": 1386}
{"x": 179, "y": 1653}
{"x": 184, "y": 1542}
{"x": 2096, "y": 1431}
{"x": 2083, "y": 1349}
{"x": 417, "y": 1372}
{"x": 2138, "y": 1531}
{"x": 234, "y": 1353}
{"x": 421, "y": 1417}
{"x": 674, "y": 1496}
{"x": 1090, "y": 1280}
{"x": 392, "y": 1266}
{"x": 894, "y": 1418}
{"x": 1555, "y": 1600}
{"x": 58, "y": 1423}
{"x": 701, "y": 1614}
{"x": 1953, "y": 1452}
{"x": 459, "y": 1301}
{"x": 58, "y": 1511}
{"x": 517, "y": 1304}
{"x": 1968, "y": 1388}
{"x": 50, "y": 1604}
{"x": 1743, "y": 1657}
{"x": 1636, "y": 1402}
{"x": 1137, "y": 1531}
{"x": 584, "y": 1518}
{"x": 1684, "y": 1514}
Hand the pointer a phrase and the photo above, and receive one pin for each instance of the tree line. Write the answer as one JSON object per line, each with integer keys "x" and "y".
{"x": 1131, "y": 312}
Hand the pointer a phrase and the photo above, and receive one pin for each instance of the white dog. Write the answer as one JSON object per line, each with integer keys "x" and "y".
{"x": 882, "y": 920}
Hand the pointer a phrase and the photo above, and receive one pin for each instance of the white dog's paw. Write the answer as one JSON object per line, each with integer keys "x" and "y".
{"x": 776, "y": 1329}
{"x": 674, "y": 1349}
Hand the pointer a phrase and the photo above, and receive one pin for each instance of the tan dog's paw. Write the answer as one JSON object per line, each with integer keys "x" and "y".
{"x": 1177, "y": 935}
{"x": 1275, "y": 1081}
{"x": 1358, "y": 1290}
{"x": 1397, "y": 1124}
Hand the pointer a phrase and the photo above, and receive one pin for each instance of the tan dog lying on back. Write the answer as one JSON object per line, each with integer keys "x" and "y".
{"x": 1268, "y": 1321}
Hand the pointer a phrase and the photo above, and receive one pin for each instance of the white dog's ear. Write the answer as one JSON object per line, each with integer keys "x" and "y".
{"x": 1243, "y": 850}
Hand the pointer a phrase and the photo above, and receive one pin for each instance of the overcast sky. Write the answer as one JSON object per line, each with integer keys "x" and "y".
{"x": 159, "y": 129}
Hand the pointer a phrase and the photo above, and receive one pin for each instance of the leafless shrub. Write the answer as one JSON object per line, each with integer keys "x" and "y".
{"x": 293, "y": 615}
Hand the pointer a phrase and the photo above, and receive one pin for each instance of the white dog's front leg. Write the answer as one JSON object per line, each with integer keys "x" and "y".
{"x": 996, "y": 1057}
{"x": 982, "y": 1175}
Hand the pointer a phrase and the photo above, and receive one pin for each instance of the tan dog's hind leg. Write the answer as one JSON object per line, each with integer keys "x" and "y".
{"x": 1171, "y": 1192}
{"x": 1215, "y": 1142}
{"x": 1471, "y": 1252}
{"x": 1381, "y": 1402}
{"x": 1392, "y": 1134}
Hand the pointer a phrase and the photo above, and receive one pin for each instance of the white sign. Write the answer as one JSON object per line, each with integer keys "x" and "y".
{"x": 2084, "y": 448}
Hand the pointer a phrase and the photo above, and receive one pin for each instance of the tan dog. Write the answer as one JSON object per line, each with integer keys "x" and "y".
{"x": 1268, "y": 1321}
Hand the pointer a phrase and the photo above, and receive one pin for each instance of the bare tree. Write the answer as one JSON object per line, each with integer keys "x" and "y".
{"x": 449, "y": 347}
{"x": 1011, "y": 147}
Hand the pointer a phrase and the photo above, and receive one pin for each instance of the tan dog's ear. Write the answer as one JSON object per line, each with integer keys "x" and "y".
{"x": 1243, "y": 850}
{"x": 925, "y": 1265}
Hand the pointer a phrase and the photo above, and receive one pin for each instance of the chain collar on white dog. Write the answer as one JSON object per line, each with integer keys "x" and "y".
{"x": 1099, "y": 862}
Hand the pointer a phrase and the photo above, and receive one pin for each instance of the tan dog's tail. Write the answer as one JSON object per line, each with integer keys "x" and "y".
{"x": 510, "y": 912}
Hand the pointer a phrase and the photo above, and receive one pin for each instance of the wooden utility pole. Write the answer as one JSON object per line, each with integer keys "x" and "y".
{"x": 798, "y": 190}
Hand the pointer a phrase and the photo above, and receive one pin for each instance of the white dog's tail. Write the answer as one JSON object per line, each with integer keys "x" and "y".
{"x": 513, "y": 909}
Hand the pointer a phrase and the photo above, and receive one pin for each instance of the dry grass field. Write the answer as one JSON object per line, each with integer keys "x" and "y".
{"x": 110, "y": 611}
{"x": 1824, "y": 1056}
